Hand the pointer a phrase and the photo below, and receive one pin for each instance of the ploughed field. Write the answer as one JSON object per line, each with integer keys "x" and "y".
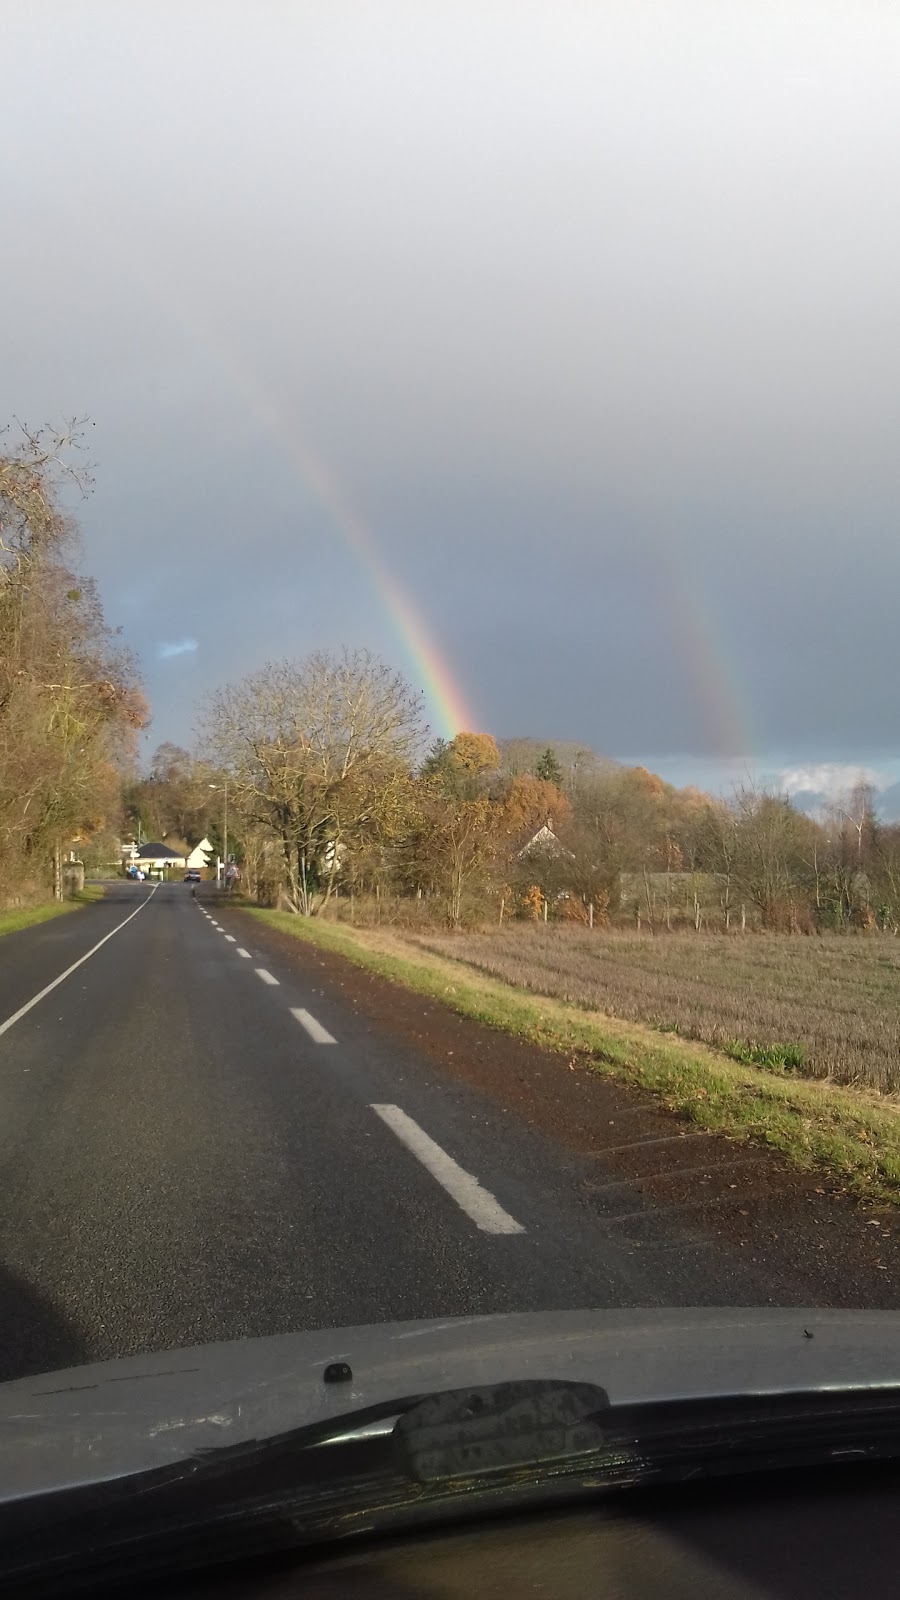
{"x": 825, "y": 1007}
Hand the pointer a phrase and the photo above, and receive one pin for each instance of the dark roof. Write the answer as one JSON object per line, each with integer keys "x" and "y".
{"x": 158, "y": 852}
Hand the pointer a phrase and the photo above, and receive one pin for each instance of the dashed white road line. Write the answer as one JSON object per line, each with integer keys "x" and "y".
{"x": 313, "y": 1028}
{"x": 245, "y": 953}
{"x": 75, "y": 965}
{"x": 231, "y": 939}
{"x": 476, "y": 1202}
{"x": 266, "y": 976}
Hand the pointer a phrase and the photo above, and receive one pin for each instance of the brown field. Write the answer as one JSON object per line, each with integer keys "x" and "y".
{"x": 826, "y": 1007}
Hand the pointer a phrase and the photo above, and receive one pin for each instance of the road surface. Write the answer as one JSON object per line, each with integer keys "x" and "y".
{"x": 208, "y": 1135}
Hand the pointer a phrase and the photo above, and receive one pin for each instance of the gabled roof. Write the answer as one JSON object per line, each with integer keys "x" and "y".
{"x": 544, "y": 842}
{"x": 154, "y": 851}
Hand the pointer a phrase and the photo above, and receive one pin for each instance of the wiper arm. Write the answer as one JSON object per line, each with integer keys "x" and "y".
{"x": 416, "y": 1459}
{"x": 275, "y": 1493}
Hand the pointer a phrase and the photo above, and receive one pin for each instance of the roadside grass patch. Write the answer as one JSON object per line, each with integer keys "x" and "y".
{"x": 28, "y": 916}
{"x": 853, "y": 1134}
{"x": 776, "y": 1057}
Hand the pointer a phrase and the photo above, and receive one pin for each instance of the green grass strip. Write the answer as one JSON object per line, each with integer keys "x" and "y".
{"x": 814, "y": 1124}
{"x": 14, "y": 921}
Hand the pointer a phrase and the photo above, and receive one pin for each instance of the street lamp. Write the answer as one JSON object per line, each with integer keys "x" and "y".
{"x": 224, "y": 819}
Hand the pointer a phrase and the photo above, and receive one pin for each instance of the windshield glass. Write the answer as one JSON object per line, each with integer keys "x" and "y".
{"x": 449, "y": 765}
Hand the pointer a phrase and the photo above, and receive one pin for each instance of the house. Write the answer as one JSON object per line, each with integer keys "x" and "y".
{"x": 154, "y": 857}
{"x": 544, "y": 843}
{"x": 199, "y": 856}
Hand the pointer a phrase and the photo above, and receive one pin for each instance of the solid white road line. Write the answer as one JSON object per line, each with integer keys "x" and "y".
{"x": 75, "y": 965}
{"x": 244, "y": 953}
{"x": 313, "y": 1028}
{"x": 266, "y": 976}
{"x": 477, "y": 1203}
{"x": 231, "y": 939}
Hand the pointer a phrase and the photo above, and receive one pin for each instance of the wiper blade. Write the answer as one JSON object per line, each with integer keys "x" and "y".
{"x": 418, "y": 1459}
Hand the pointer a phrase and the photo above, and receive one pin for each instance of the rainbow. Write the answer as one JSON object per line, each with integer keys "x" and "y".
{"x": 703, "y": 650}
{"x": 446, "y": 702}
{"x": 444, "y": 697}
{"x": 726, "y": 713}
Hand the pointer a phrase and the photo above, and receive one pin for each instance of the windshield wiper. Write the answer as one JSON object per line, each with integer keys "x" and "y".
{"x": 418, "y": 1459}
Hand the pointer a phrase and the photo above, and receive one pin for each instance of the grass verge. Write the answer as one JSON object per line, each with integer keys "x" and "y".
{"x": 14, "y": 921}
{"x": 847, "y": 1132}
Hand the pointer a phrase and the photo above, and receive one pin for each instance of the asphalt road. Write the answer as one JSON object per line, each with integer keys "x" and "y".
{"x": 200, "y": 1141}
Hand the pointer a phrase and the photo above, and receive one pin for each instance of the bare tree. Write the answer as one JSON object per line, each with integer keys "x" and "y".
{"x": 452, "y": 845}
{"x": 318, "y": 752}
{"x": 770, "y": 847}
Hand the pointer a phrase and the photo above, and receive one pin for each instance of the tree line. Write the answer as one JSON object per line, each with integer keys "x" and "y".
{"x": 335, "y": 794}
{"x": 70, "y": 701}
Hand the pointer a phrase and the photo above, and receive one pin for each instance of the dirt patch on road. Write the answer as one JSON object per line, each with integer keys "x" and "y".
{"x": 811, "y": 1238}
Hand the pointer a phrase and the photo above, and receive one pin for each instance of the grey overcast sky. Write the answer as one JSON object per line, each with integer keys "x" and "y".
{"x": 575, "y": 322}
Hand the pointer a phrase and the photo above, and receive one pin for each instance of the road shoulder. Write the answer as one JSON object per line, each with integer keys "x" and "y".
{"x": 850, "y": 1136}
{"x": 806, "y": 1228}
{"x": 31, "y": 916}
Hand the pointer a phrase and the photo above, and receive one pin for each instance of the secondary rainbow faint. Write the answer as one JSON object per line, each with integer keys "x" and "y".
{"x": 726, "y": 713}
{"x": 447, "y": 704}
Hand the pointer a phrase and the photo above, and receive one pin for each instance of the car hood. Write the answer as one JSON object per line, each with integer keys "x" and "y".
{"x": 94, "y": 1423}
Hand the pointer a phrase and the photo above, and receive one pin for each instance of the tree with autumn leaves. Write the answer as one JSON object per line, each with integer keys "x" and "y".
{"x": 70, "y": 703}
{"x": 475, "y": 824}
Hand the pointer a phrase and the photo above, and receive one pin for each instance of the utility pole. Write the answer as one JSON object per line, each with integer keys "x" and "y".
{"x": 224, "y": 787}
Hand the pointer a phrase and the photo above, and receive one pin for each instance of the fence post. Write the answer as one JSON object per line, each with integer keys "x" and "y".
{"x": 502, "y": 905}
{"x": 545, "y": 908}
{"x": 591, "y": 914}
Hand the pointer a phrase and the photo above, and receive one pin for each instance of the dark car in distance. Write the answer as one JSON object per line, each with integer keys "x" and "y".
{"x": 193, "y": 875}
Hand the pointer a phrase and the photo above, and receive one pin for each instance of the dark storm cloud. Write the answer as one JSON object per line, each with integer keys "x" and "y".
{"x": 593, "y": 310}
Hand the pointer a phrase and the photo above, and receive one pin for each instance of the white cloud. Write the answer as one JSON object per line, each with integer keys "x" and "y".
{"x": 828, "y": 778}
{"x": 183, "y": 647}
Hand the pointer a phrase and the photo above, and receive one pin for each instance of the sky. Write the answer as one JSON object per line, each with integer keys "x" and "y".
{"x": 548, "y": 350}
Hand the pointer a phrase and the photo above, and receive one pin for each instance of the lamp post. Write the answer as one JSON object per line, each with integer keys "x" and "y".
{"x": 224, "y": 787}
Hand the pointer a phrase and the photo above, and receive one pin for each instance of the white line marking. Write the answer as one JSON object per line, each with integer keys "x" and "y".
{"x": 231, "y": 939}
{"x": 266, "y": 976}
{"x": 244, "y": 953}
{"x": 313, "y": 1028}
{"x": 218, "y": 925}
{"x": 477, "y": 1203}
{"x": 75, "y": 965}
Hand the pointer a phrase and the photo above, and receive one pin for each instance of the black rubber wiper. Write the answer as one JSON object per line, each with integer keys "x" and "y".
{"x": 273, "y": 1494}
{"x": 419, "y": 1459}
